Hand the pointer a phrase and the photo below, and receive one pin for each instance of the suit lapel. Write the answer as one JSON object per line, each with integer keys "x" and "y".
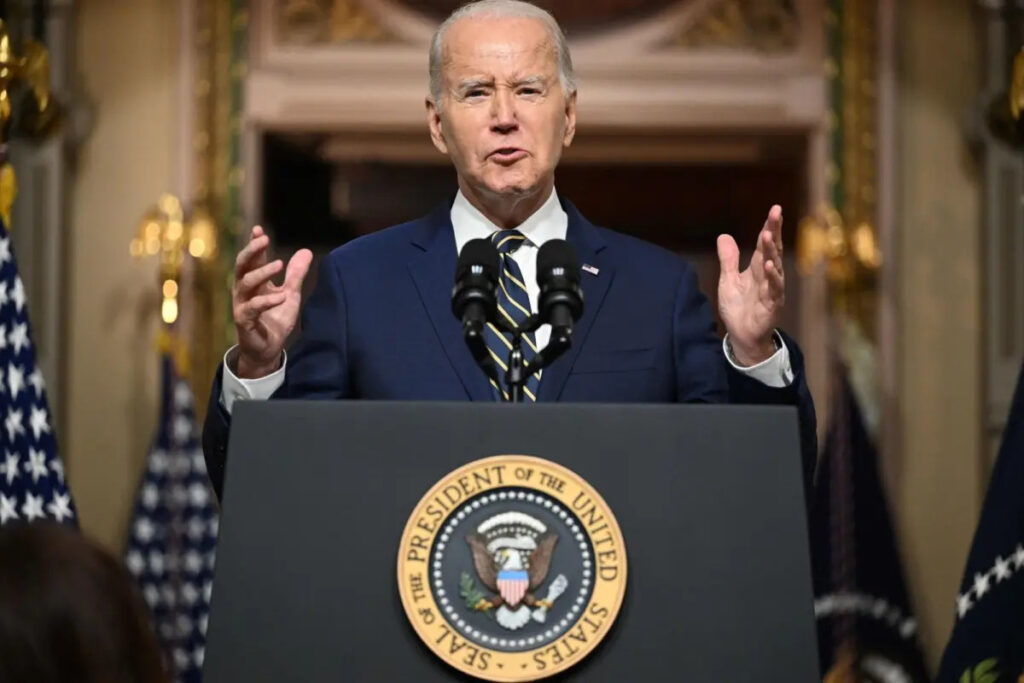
{"x": 433, "y": 271}
{"x": 589, "y": 245}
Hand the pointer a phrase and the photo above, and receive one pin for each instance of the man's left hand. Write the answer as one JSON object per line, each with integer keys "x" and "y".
{"x": 750, "y": 302}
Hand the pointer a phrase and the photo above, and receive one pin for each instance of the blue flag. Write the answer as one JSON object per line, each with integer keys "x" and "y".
{"x": 987, "y": 645}
{"x": 173, "y": 534}
{"x": 32, "y": 486}
{"x": 866, "y": 629}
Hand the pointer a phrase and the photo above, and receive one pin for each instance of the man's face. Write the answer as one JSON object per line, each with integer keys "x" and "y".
{"x": 504, "y": 117}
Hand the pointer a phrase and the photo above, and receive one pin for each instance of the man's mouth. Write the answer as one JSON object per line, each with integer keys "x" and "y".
{"x": 508, "y": 155}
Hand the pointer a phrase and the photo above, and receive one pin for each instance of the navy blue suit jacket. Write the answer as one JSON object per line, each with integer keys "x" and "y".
{"x": 379, "y": 325}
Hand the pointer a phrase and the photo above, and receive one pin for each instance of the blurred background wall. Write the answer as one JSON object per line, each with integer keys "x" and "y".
{"x": 127, "y": 58}
{"x": 938, "y": 490}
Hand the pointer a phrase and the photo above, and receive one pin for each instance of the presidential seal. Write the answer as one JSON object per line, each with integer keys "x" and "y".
{"x": 512, "y": 568}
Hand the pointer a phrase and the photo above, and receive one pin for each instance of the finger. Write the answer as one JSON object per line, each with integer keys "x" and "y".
{"x": 253, "y": 255}
{"x": 776, "y": 281}
{"x": 252, "y": 281}
{"x": 298, "y": 266}
{"x": 728, "y": 255}
{"x": 252, "y": 308}
{"x": 771, "y": 297}
{"x": 773, "y": 224}
{"x": 770, "y": 251}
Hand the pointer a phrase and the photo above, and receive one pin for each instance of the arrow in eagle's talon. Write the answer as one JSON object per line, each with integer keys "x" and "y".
{"x": 557, "y": 587}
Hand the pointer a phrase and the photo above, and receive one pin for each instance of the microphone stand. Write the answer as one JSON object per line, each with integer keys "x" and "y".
{"x": 519, "y": 370}
{"x": 477, "y": 343}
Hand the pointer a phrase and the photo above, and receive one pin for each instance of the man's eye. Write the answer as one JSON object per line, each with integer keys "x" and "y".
{"x": 475, "y": 93}
{"x": 529, "y": 91}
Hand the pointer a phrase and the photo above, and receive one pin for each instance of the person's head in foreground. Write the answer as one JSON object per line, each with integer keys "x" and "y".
{"x": 69, "y": 612}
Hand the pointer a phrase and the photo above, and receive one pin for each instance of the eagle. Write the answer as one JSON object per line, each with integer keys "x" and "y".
{"x": 532, "y": 558}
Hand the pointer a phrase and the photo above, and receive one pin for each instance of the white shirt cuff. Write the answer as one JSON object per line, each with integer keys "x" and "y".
{"x": 774, "y": 371}
{"x": 234, "y": 388}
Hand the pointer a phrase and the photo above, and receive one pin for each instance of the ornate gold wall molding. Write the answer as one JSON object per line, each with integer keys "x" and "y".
{"x": 218, "y": 71}
{"x": 763, "y": 25}
{"x": 575, "y": 16}
{"x": 310, "y": 22}
{"x": 844, "y": 234}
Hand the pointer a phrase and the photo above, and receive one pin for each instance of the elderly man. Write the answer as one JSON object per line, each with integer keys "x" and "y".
{"x": 378, "y": 324}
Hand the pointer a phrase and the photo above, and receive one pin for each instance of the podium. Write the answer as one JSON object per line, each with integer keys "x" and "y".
{"x": 318, "y": 501}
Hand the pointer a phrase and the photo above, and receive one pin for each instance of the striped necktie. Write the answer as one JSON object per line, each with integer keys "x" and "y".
{"x": 514, "y": 307}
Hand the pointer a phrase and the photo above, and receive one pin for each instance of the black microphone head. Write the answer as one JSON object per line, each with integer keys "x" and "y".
{"x": 557, "y": 258}
{"x": 480, "y": 253}
{"x": 558, "y": 273}
{"x": 474, "y": 297}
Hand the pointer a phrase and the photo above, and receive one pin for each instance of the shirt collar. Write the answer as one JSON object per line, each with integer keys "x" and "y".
{"x": 549, "y": 222}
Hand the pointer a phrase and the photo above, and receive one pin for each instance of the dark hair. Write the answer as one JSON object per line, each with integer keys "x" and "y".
{"x": 69, "y": 612}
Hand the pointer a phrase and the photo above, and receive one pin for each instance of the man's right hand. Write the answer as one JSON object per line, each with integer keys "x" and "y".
{"x": 265, "y": 313}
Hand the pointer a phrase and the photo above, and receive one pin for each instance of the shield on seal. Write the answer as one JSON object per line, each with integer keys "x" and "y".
{"x": 512, "y": 584}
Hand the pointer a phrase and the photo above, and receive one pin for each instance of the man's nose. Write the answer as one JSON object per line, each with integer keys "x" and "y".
{"x": 503, "y": 112}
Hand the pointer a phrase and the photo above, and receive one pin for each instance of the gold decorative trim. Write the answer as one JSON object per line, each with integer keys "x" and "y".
{"x": 763, "y": 25}
{"x": 8, "y": 191}
{"x": 1016, "y": 94}
{"x": 204, "y": 293}
{"x": 843, "y": 234}
{"x": 311, "y": 22}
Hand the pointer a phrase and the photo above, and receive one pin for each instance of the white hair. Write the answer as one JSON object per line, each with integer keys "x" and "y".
{"x": 502, "y": 9}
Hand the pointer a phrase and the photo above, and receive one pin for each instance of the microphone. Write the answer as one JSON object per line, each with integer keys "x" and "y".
{"x": 475, "y": 296}
{"x": 561, "y": 299}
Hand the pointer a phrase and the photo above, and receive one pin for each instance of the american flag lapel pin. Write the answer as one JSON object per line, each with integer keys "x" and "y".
{"x": 593, "y": 270}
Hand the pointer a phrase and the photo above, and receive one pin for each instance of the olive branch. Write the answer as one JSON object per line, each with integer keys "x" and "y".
{"x": 472, "y": 597}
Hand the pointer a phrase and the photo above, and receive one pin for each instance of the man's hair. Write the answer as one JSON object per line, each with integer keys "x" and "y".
{"x": 502, "y": 9}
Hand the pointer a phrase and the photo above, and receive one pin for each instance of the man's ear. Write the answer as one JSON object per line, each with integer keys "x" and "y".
{"x": 570, "y": 120}
{"x": 436, "y": 126}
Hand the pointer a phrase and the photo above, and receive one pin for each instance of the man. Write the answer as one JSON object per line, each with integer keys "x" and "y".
{"x": 378, "y": 324}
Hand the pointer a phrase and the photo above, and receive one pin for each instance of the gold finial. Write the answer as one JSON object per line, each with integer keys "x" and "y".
{"x": 32, "y": 69}
{"x": 1016, "y": 94}
{"x": 8, "y": 191}
{"x": 9, "y": 68}
{"x": 171, "y": 344}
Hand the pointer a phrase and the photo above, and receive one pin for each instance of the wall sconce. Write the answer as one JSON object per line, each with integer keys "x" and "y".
{"x": 166, "y": 231}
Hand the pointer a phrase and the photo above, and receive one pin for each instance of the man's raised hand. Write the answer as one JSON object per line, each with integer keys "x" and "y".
{"x": 265, "y": 313}
{"x": 750, "y": 301}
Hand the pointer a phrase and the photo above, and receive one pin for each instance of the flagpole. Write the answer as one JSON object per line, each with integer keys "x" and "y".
{"x": 173, "y": 475}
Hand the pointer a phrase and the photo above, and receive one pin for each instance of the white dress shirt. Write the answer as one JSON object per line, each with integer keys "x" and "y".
{"x": 547, "y": 223}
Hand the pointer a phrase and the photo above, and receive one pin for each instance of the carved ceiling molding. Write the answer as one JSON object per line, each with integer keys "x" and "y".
{"x": 313, "y": 22}
{"x": 769, "y": 26}
{"x": 577, "y": 17}
{"x": 748, "y": 63}
{"x": 764, "y": 25}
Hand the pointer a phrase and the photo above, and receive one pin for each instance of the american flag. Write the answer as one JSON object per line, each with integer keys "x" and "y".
{"x": 173, "y": 534}
{"x": 32, "y": 486}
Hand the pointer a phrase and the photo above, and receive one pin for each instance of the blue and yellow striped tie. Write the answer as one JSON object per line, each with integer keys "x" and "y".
{"x": 514, "y": 307}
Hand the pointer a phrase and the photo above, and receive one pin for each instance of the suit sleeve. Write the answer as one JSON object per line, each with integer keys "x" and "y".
{"x": 700, "y": 365}
{"x": 745, "y": 389}
{"x": 703, "y": 375}
{"x": 317, "y": 366}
